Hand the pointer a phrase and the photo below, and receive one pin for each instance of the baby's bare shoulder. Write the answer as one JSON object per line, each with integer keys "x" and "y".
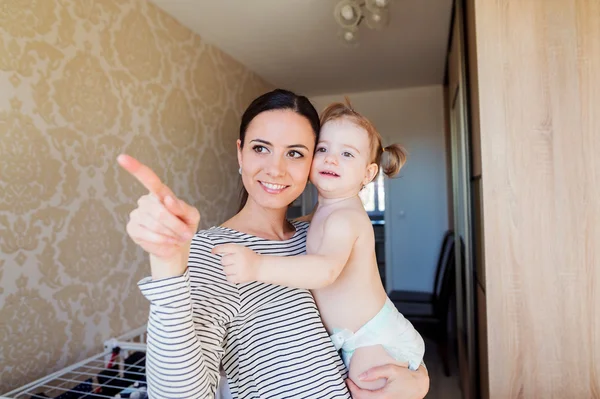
{"x": 349, "y": 217}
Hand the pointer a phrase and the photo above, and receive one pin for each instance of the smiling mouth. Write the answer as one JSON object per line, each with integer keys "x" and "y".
{"x": 272, "y": 188}
{"x": 329, "y": 173}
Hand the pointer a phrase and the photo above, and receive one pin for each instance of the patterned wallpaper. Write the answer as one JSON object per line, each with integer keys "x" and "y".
{"x": 80, "y": 82}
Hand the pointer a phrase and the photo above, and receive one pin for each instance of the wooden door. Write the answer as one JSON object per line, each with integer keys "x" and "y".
{"x": 461, "y": 182}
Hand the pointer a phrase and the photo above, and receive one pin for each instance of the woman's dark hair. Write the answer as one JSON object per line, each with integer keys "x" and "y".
{"x": 277, "y": 99}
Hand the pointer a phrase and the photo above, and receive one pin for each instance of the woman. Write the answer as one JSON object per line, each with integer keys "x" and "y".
{"x": 269, "y": 339}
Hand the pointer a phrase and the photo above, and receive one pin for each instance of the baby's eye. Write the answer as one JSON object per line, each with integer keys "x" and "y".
{"x": 260, "y": 149}
{"x": 321, "y": 149}
{"x": 347, "y": 154}
{"x": 295, "y": 154}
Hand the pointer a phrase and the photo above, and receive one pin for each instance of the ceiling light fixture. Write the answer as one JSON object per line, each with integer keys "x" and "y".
{"x": 349, "y": 14}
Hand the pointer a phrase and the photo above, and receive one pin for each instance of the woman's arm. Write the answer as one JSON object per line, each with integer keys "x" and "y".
{"x": 184, "y": 353}
{"x": 402, "y": 383}
{"x": 318, "y": 270}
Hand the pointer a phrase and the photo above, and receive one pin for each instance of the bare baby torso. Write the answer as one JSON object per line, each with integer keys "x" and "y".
{"x": 357, "y": 294}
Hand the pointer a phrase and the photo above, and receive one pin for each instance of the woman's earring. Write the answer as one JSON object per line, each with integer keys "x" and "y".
{"x": 240, "y": 170}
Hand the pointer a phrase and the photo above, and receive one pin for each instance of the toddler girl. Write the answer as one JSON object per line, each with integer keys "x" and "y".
{"x": 340, "y": 266}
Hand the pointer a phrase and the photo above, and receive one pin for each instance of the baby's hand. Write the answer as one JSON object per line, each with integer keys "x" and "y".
{"x": 240, "y": 263}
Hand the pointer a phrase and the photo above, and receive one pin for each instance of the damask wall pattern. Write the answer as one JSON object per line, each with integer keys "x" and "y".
{"x": 80, "y": 82}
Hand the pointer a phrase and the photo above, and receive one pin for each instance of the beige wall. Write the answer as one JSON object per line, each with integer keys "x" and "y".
{"x": 80, "y": 82}
{"x": 417, "y": 200}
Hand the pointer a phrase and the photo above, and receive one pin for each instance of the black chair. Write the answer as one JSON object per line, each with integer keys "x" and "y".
{"x": 429, "y": 313}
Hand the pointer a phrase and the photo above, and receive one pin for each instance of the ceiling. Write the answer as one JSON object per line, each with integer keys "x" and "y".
{"x": 293, "y": 44}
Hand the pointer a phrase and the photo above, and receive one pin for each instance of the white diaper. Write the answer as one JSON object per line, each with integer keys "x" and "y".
{"x": 389, "y": 329}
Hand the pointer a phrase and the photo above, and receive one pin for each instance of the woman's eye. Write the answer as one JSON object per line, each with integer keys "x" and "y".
{"x": 347, "y": 154}
{"x": 260, "y": 149}
{"x": 295, "y": 154}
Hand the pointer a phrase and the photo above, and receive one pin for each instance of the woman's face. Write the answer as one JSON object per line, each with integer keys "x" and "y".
{"x": 276, "y": 157}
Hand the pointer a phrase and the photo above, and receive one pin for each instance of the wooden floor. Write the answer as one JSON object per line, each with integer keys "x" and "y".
{"x": 440, "y": 386}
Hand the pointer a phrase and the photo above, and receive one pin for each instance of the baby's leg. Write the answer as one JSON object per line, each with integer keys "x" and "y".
{"x": 367, "y": 357}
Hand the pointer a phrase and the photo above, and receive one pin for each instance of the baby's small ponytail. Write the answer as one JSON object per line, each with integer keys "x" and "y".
{"x": 396, "y": 154}
{"x": 396, "y": 158}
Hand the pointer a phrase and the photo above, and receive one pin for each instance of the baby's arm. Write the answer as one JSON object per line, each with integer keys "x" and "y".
{"x": 318, "y": 270}
{"x": 340, "y": 232}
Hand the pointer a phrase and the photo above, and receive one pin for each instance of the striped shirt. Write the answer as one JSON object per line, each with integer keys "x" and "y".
{"x": 269, "y": 339}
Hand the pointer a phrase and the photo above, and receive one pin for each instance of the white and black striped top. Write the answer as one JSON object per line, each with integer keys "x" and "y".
{"x": 269, "y": 339}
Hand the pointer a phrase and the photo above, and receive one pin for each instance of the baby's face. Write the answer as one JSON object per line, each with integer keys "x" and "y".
{"x": 341, "y": 159}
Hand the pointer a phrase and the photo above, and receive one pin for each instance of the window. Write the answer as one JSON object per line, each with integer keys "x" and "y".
{"x": 373, "y": 198}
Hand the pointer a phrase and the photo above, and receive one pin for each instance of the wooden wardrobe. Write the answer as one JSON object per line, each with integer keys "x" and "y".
{"x": 528, "y": 187}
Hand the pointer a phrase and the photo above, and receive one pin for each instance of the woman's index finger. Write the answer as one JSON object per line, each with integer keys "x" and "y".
{"x": 144, "y": 175}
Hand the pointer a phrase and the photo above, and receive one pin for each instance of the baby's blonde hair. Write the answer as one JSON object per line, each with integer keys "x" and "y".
{"x": 397, "y": 155}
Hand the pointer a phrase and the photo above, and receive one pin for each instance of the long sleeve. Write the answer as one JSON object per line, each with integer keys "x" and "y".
{"x": 187, "y": 326}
